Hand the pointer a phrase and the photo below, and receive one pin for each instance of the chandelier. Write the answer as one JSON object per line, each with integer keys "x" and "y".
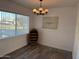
{"x": 40, "y": 10}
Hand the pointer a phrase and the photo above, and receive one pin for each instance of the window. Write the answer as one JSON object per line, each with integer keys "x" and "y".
{"x": 12, "y": 24}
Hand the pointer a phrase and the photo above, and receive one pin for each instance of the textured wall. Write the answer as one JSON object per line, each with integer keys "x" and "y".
{"x": 76, "y": 41}
{"x": 63, "y": 37}
{"x": 10, "y": 44}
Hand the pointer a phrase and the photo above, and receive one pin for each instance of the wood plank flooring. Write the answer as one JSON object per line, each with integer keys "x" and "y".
{"x": 40, "y": 52}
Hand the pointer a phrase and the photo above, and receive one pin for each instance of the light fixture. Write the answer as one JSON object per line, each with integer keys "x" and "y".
{"x": 40, "y": 10}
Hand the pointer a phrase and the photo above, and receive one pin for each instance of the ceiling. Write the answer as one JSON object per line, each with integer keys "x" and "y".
{"x": 47, "y": 3}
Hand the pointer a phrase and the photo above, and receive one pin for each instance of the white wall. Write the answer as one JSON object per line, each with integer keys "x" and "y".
{"x": 9, "y": 5}
{"x": 63, "y": 37}
{"x": 76, "y": 43}
{"x": 10, "y": 44}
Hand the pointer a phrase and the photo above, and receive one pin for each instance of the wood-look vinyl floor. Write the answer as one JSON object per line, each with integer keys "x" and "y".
{"x": 40, "y": 52}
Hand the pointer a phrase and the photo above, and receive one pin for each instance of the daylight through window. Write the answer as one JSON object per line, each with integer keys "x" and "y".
{"x": 12, "y": 24}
